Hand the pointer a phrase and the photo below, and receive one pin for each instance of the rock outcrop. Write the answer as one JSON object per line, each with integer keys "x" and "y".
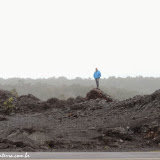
{"x": 97, "y": 93}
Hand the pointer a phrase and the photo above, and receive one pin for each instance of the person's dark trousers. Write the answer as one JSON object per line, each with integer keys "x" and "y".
{"x": 97, "y": 82}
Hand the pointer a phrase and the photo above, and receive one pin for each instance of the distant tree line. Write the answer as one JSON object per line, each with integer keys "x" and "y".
{"x": 63, "y": 88}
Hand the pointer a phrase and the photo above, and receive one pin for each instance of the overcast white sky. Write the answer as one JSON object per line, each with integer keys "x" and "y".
{"x": 45, "y": 38}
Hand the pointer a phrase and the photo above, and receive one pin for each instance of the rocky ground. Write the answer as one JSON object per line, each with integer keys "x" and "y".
{"x": 94, "y": 123}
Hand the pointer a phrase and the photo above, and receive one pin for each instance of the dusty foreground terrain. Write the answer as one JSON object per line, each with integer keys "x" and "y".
{"x": 94, "y": 123}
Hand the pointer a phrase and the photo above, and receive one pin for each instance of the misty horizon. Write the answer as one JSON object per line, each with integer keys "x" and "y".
{"x": 63, "y": 88}
{"x": 92, "y": 78}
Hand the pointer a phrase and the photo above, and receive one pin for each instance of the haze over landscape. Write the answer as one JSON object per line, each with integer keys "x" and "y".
{"x": 49, "y": 100}
{"x": 41, "y": 39}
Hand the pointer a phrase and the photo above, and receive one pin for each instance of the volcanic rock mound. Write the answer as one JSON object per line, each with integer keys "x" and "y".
{"x": 97, "y": 93}
{"x": 4, "y": 95}
{"x": 94, "y": 123}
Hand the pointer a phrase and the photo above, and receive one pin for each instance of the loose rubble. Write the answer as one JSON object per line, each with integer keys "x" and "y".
{"x": 96, "y": 122}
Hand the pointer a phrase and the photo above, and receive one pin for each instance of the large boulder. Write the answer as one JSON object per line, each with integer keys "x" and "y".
{"x": 97, "y": 93}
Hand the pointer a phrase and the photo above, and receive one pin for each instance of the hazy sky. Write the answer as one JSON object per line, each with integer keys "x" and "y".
{"x": 45, "y": 38}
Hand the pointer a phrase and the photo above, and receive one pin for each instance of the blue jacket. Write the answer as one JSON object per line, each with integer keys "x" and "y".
{"x": 97, "y": 74}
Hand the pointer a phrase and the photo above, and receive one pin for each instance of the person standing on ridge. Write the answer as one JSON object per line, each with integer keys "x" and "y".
{"x": 97, "y": 75}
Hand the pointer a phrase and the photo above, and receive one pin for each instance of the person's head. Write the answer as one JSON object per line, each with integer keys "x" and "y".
{"x": 96, "y": 69}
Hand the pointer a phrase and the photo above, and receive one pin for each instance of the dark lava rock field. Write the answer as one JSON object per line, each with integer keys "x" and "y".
{"x": 95, "y": 122}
